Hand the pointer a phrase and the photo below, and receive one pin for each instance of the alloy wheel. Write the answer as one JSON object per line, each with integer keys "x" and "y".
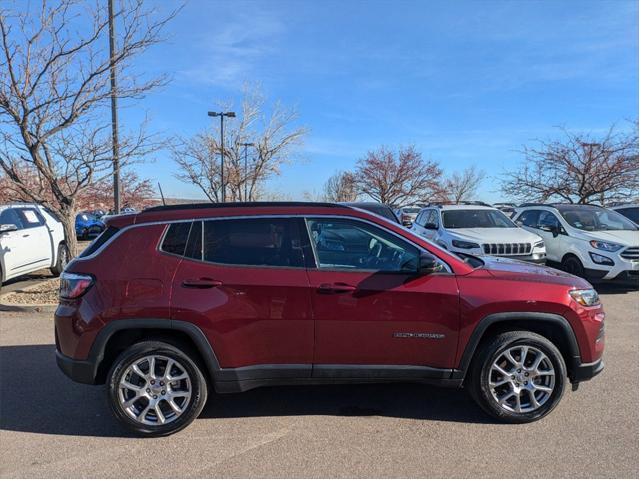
{"x": 155, "y": 390}
{"x": 521, "y": 379}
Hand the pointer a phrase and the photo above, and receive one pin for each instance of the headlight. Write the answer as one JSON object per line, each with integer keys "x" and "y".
{"x": 585, "y": 297}
{"x": 605, "y": 246}
{"x": 539, "y": 244}
{"x": 464, "y": 244}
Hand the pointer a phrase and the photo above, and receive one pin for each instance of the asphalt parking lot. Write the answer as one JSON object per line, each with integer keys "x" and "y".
{"x": 52, "y": 427}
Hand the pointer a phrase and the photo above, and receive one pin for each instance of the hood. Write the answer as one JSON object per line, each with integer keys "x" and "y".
{"x": 515, "y": 270}
{"x": 624, "y": 237}
{"x": 495, "y": 235}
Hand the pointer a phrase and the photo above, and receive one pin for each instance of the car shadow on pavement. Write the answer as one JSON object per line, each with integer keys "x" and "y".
{"x": 36, "y": 397}
{"x": 615, "y": 288}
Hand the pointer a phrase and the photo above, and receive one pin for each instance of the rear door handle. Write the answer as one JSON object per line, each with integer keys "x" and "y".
{"x": 201, "y": 283}
{"x": 328, "y": 288}
{"x": 26, "y": 236}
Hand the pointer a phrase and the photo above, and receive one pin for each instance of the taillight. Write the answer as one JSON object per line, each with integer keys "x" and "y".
{"x": 74, "y": 285}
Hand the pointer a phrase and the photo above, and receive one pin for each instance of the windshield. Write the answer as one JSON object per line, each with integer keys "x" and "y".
{"x": 590, "y": 218}
{"x": 382, "y": 211}
{"x": 476, "y": 219}
{"x": 632, "y": 213}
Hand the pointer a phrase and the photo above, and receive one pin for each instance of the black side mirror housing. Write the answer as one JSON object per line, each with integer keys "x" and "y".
{"x": 430, "y": 226}
{"x": 428, "y": 264}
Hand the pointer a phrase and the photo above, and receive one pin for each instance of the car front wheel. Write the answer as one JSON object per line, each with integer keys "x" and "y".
{"x": 518, "y": 377}
{"x": 155, "y": 389}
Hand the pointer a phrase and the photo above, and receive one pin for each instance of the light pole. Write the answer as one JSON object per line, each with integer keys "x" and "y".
{"x": 246, "y": 145}
{"x": 222, "y": 114}
{"x": 114, "y": 115}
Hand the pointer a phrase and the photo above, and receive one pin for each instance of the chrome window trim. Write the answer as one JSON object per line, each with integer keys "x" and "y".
{"x": 166, "y": 223}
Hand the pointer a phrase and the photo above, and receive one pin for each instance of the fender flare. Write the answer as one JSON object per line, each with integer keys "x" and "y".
{"x": 96, "y": 354}
{"x": 574, "y": 357}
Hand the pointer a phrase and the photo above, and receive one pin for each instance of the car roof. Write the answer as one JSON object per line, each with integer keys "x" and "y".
{"x": 19, "y": 205}
{"x": 461, "y": 207}
{"x": 620, "y": 207}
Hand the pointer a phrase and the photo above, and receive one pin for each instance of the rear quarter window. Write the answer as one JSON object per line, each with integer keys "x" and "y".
{"x": 176, "y": 237}
{"x": 105, "y": 236}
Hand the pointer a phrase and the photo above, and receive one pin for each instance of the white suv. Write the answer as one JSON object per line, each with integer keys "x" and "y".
{"x": 31, "y": 238}
{"x": 588, "y": 241}
{"x": 478, "y": 230}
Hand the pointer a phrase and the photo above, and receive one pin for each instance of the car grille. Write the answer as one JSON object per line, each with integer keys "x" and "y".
{"x": 507, "y": 249}
{"x": 631, "y": 253}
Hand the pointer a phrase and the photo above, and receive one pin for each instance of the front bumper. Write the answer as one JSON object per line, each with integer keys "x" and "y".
{"x": 80, "y": 371}
{"x": 586, "y": 371}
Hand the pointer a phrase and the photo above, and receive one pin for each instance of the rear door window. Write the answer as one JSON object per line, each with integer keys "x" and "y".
{"x": 30, "y": 217}
{"x": 253, "y": 242}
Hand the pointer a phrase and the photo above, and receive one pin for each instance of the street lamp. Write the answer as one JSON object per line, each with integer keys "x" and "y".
{"x": 246, "y": 145}
{"x": 222, "y": 114}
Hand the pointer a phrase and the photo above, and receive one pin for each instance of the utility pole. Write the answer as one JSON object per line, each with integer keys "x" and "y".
{"x": 246, "y": 145}
{"x": 222, "y": 114}
{"x": 114, "y": 115}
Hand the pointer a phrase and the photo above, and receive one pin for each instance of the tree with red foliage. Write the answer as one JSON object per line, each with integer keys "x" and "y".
{"x": 398, "y": 178}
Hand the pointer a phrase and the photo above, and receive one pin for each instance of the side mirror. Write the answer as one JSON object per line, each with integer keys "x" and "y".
{"x": 430, "y": 226}
{"x": 550, "y": 229}
{"x": 428, "y": 264}
{"x": 7, "y": 228}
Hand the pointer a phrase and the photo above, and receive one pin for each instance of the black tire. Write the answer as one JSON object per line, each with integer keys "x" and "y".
{"x": 192, "y": 408}
{"x": 571, "y": 264}
{"x": 490, "y": 351}
{"x": 61, "y": 261}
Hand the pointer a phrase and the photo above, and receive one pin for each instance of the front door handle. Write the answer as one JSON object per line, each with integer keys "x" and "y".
{"x": 26, "y": 236}
{"x": 329, "y": 288}
{"x": 201, "y": 283}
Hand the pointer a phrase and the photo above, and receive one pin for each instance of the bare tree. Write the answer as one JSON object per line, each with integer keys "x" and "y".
{"x": 340, "y": 187}
{"x": 462, "y": 186}
{"x": 275, "y": 140}
{"x": 579, "y": 169}
{"x": 398, "y": 178}
{"x": 54, "y": 97}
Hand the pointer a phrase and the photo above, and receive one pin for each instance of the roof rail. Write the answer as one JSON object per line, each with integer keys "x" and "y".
{"x": 247, "y": 204}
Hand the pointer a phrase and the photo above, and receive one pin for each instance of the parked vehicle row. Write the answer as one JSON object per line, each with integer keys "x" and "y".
{"x": 174, "y": 300}
{"x": 31, "y": 238}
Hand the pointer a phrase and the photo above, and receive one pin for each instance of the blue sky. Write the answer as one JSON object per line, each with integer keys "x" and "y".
{"x": 466, "y": 82}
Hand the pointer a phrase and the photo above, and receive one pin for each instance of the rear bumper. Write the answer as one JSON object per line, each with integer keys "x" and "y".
{"x": 80, "y": 371}
{"x": 587, "y": 371}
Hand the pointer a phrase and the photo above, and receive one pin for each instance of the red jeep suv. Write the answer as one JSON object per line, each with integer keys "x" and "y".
{"x": 176, "y": 299}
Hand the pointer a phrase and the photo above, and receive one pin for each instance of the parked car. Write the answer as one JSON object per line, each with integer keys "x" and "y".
{"x": 477, "y": 230}
{"x": 407, "y": 214}
{"x": 507, "y": 208}
{"x": 87, "y": 225}
{"x": 630, "y": 211}
{"x": 380, "y": 209}
{"x": 31, "y": 238}
{"x": 588, "y": 241}
{"x": 175, "y": 299}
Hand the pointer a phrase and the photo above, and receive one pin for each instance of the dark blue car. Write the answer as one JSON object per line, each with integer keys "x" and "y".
{"x": 87, "y": 225}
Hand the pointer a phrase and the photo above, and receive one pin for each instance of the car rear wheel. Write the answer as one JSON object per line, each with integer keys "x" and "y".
{"x": 572, "y": 265}
{"x": 61, "y": 262}
{"x": 155, "y": 389}
{"x": 518, "y": 377}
